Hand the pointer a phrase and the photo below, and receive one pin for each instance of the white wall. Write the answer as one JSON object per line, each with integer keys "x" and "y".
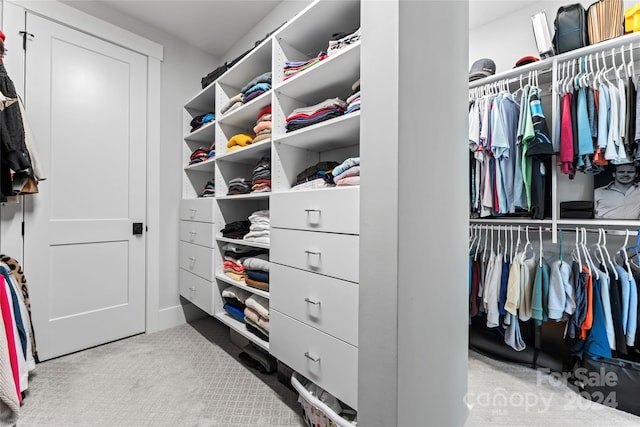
{"x": 281, "y": 13}
{"x": 510, "y": 37}
{"x": 181, "y": 70}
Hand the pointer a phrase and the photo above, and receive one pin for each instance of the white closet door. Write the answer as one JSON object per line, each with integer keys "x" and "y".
{"x": 86, "y": 102}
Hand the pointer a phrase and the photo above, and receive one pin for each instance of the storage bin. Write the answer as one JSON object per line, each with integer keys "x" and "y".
{"x": 632, "y": 19}
{"x": 317, "y": 413}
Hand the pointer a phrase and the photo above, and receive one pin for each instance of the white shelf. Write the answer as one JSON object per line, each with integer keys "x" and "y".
{"x": 247, "y": 155}
{"x": 203, "y": 135}
{"x": 206, "y": 166}
{"x": 242, "y": 285}
{"x": 507, "y": 220}
{"x": 241, "y": 328}
{"x": 338, "y": 132}
{"x": 243, "y": 242}
{"x": 333, "y": 75}
{"x": 202, "y": 102}
{"x": 246, "y": 114}
{"x": 600, "y": 223}
{"x": 250, "y": 196}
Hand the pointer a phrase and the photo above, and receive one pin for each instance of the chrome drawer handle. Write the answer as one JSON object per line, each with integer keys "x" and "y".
{"x": 193, "y": 235}
{"x": 193, "y": 261}
{"x": 193, "y": 212}
{"x": 312, "y": 252}
{"x": 312, "y": 210}
{"x": 310, "y": 357}
{"x": 311, "y": 301}
{"x": 193, "y": 288}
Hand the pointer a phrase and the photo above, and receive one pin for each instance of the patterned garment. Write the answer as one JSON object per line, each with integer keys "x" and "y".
{"x": 18, "y": 273}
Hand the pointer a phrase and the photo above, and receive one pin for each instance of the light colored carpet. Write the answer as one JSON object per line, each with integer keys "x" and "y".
{"x": 185, "y": 376}
{"x": 531, "y": 398}
{"x": 190, "y": 376}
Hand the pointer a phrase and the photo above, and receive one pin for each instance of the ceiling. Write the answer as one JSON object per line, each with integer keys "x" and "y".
{"x": 213, "y": 26}
{"x": 482, "y": 12}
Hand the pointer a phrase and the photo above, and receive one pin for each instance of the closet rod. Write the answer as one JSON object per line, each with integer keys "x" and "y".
{"x": 513, "y": 75}
{"x": 532, "y": 228}
{"x": 547, "y": 64}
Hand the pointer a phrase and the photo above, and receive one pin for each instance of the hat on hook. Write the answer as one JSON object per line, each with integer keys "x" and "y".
{"x": 526, "y": 60}
{"x": 484, "y": 67}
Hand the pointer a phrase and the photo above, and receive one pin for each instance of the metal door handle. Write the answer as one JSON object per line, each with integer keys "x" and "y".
{"x": 310, "y": 357}
{"x": 312, "y": 210}
{"x": 310, "y": 301}
{"x": 312, "y": 252}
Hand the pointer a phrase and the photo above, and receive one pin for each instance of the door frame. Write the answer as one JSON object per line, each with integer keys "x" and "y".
{"x": 66, "y": 15}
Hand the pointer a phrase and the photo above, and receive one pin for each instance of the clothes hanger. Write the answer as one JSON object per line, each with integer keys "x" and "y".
{"x": 576, "y": 251}
{"x": 606, "y": 252}
{"x": 623, "y": 64}
{"x": 511, "y": 251}
{"x": 598, "y": 248}
{"x": 475, "y": 255}
{"x": 526, "y": 245}
{"x": 560, "y": 243}
{"x": 540, "y": 253}
{"x": 587, "y": 255}
{"x": 506, "y": 245}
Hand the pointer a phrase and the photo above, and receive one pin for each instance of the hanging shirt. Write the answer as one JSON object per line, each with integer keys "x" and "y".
{"x": 527, "y": 276}
{"x": 605, "y": 284}
{"x": 513, "y": 286}
{"x": 585, "y": 143}
{"x": 632, "y": 321}
{"x": 615, "y": 290}
{"x": 540, "y": 293}
{"x": 566, "y": 138}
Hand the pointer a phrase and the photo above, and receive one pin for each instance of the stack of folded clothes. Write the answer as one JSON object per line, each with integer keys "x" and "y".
{"x": 342, "y": 40}
{"x": 261, "y": 175}
{"x": 234, "y": 257}
{"x": 202, "y": 154}
{"x": 198, "y": 121}
{"x": 257, "y": 271}
{"x": 233, "y": 103}
{"x": 353, "y": 101}
{"x": 239, "y": 186}
{"x": 348, "y": 172}
{"x": 234, "y": 301}
{"x": 256, "y": 87}
{"x": 307, "y": 116}
{"x": 236, "y": 229}
{"x": 256, "y": 315}
{"x": 260, "y": 228}
{"x": 209, "y": 189}
{"x": 262, "y": 128}
{"x": 316, "y": 176}
{"x": 292, "y": 68}
{"x": 238, "y": 141}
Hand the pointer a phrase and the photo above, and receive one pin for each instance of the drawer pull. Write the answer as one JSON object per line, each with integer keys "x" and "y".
{"x": 310, "y": 357}
{"x": 192, "y": 289}
{"x": 193, "y": 235}
{"x": 312, "y": 210}
{"x": 312, "y": 252}
{"x": 192, "y": 261}
{"x": 193, "y": 212}
{"x": 310, "y": 301}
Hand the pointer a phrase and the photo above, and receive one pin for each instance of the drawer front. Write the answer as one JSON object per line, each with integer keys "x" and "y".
{"x": 197, "y": 291}
{"x": 325, "y": 303}
{"x": 327, "y": 361}
{"x": 334, "y": 255}
{"x": 200, "y": 233}
{"x": 200, "y": 209}
{"x": 197, "y": 260}
{"x": 335, "y": 210}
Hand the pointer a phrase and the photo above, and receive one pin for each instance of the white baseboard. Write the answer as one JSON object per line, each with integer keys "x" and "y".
{"x": 178, "y": 315}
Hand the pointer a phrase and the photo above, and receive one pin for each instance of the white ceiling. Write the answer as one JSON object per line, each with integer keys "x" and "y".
{"x": 213, "y": 26}
{"x": 482, "y": 12}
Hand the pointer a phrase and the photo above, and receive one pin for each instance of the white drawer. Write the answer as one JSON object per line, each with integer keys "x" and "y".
{"x": 325, "y": 303}
{"x": 200, "y": 233}
{"x": 197, "y": 260}
{"x": 200, "y": 209}
{"x": 325, "y": 360}
{"x": 196, "y": 290}
{"x": 334, "y": 210}
{"x": 334, "y": 255}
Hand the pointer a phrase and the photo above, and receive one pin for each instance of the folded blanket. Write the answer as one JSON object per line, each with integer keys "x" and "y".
{"x": 259, "y": 304}
{"x": 256, "y": 330}
{"x": 236, "y": 276}
{"x": 260, "y": 276}
{"x": 234, "y": 312}
{"x": 257, "y": 263}
{"x": 237, "y": 293}
{"x": 263, "y": 286}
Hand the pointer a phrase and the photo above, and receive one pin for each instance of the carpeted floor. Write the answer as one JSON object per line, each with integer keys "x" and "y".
{"x": 191, "y": 376}
{"x": 185, "y": 376}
